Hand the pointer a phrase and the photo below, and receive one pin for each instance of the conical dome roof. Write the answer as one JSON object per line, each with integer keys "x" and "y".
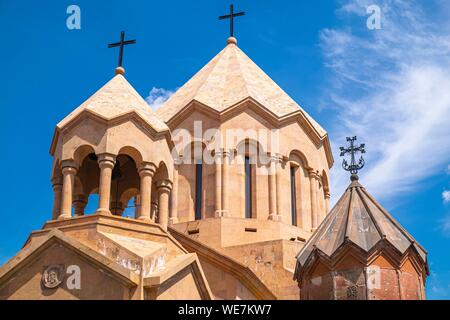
{"x": 229, "y": 78}
{"x": 116, "y": 98}
{"x": 359, "y": 219}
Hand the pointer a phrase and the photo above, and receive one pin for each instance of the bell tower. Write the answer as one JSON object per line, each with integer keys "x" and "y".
{"x": 112, "y": 145}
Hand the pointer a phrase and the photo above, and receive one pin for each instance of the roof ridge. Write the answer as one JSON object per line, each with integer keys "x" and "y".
{"x": 114, "y": 99}
{"x": 393, "y": 220}
{"x": 369, "y": 212}
{"x": 207, "y": 72}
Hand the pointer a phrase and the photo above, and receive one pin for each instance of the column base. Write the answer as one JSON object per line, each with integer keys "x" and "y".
{"x": 173, "y": 221}
{"x": 103, "y": 211}
{"x": 313, "y": 230}
{"x": 221, "y": 213}
{"x": 275, "y": 217}
{"x": 144, "y": 218}
{"x": 65, "y": 216}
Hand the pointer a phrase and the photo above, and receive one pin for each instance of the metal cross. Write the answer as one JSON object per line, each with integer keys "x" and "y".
{"x": 353, "y": 167}
{"x": 231, "y": 17}
{"x": 121, "y": 44}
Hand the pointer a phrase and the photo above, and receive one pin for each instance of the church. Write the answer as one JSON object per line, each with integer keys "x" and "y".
{"x": 228, "y": 183}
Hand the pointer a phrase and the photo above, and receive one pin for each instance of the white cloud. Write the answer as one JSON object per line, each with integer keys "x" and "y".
{"x": 446, "y": 196}
{"x": 157, "y": 97}
{"x": 390, "y": 87}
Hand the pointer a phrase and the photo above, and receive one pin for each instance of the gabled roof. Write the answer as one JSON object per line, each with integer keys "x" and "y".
{"x": 229, "y": 78}
{"x": 114, "y": 99}
{"x": 40, "y": 244}
{"x": 359, "y": 219}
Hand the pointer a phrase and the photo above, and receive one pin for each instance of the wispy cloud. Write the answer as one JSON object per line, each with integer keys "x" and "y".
{"x": 390, "y": 87}
{"x": 446, "y": 196}
{"x": 157, "y": 97}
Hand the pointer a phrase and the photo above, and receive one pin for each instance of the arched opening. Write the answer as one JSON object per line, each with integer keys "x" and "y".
{"x": 293, "y": 182}
{"x": 125, "y": 181}
{"x": 86, "y": 182}
{"x": 125, "y": 184}
{"x": 298, "y": 187}
{"x": 250, "y": 153}
{"x": 195, "y": 196}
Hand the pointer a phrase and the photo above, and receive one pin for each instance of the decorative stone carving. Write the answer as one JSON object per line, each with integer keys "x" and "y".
{"x": 53, "y": 276}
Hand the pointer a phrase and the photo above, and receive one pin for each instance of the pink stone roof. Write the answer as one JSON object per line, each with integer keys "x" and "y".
{"x": 229, "y": 78}
{"x": 359, "y": 219}
{"x": 114, "y": 99}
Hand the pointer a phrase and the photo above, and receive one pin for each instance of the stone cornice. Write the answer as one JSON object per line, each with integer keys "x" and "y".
{"x": 270, "y": 117}
{"x": 129, "y": 116}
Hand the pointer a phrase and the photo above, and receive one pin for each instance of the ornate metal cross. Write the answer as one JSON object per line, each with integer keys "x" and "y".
{"x": 121, "y": 44}
{"x": 231, "y": 17}
{"x": 353, "y": 167}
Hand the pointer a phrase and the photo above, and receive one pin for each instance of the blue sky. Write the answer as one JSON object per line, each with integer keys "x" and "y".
{"x": 390, "y": 87}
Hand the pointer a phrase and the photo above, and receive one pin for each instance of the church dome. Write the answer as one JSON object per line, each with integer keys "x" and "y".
{"x": 358, "y": 220}
{"x": 228, "y": 79}
{"x": 117, "y": 98}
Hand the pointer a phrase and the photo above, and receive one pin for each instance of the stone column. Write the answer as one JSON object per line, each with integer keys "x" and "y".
{"x": 313, "y": 191}
{"x": 79, "y": 204}
{"x": 69, "y": 171}
{"x": 226, "y": 154}
{"x": 154, "y": 203}
{"x": 137, "y": 205}
{"x": 117, "y": 208}
{"x": 327, "y": 202}
{"x": 164, "y": 187}
{"x": 57, "y": 184}
{"x": 174, "y": 198}
{"x": 146, "y": 172}
{"x": 154, "y": 211}
{"x": 106, "y": 163}
{"x": 272, "y": 189}
{"x": 275, "y": 186}
{"x": 218, "y": 166}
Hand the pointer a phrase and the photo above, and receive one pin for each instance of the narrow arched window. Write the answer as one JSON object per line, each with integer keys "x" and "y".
{"x": 198, "y": 190}
{"x": 293, "y": 197}
{"x": 248, "y": 188}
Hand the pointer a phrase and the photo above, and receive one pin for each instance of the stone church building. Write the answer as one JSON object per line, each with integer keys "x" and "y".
{"x": 228, "y": 182}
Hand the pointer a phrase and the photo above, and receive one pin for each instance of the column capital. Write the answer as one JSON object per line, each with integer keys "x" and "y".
{"x": 276, "y": 157}
{"x": 69, "y": 164}
{"x": 106, "y": 160}
{"x": 69, "y": 170}
{"x": 164, "y": 185}
{"x": 57, "y": 181}
{"x": 147, "y": 169}
{"x": 313, "y": 173}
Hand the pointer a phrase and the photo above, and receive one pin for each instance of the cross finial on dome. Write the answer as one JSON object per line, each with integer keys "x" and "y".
{"x": 353, "y": 167}
{"x": 121, "y": 44}
{"x": 231, "y": 16}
